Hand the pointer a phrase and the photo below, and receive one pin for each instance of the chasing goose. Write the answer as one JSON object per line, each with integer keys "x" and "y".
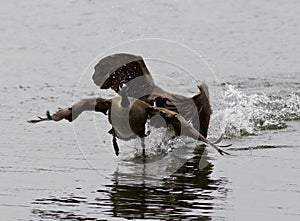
{"x": 129, "y": 112}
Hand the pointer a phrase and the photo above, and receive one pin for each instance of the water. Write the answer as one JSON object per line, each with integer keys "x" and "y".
{"x": 253, "y": 47}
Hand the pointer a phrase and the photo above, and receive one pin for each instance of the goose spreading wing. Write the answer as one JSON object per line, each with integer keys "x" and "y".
{"x": 115, "y": 70}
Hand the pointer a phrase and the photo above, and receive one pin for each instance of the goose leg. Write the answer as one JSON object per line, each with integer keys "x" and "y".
{"x": 114, "y": 140}
{"x": 143, "y": 146}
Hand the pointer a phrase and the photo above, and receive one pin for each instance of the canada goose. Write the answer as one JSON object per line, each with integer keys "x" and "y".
{"x": 129, "y": 112}
{"x": 128, "y": 117}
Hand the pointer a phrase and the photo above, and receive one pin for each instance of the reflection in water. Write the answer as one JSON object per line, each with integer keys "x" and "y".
{"x": 185, "y": 194}
{"x": 189, "y": 193}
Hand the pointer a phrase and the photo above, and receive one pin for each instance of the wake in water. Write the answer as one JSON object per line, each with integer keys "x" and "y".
{"x": 238, "y": 114}
{"x": 244, "y": 114}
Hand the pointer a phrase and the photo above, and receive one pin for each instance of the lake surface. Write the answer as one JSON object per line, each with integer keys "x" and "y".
{"x": 55, "y": 171}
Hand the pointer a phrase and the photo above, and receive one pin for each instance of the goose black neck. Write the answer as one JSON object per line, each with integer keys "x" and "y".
{"x": 124, "y": 100}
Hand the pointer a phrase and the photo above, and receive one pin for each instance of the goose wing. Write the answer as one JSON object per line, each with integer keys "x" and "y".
{"x": 71, "y": 113}
{"x": 115, "y": 70}
{"x": 180, "y": 125}
{"x": 196, "y": 109}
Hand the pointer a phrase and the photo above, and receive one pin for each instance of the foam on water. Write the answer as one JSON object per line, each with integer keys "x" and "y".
{"x": 248, "y": 114}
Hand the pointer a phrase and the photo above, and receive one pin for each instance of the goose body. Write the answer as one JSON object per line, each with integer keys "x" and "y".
{"x": 128, "y": 122}
{"x": 119, "y": 117}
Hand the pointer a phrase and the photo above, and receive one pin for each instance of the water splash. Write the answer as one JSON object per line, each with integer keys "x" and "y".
{"x": 159, "y": 143}
{"x": 244, "y": 114}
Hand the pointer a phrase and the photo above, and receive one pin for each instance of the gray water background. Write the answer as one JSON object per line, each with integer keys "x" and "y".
{"x": 252, "y": 45}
